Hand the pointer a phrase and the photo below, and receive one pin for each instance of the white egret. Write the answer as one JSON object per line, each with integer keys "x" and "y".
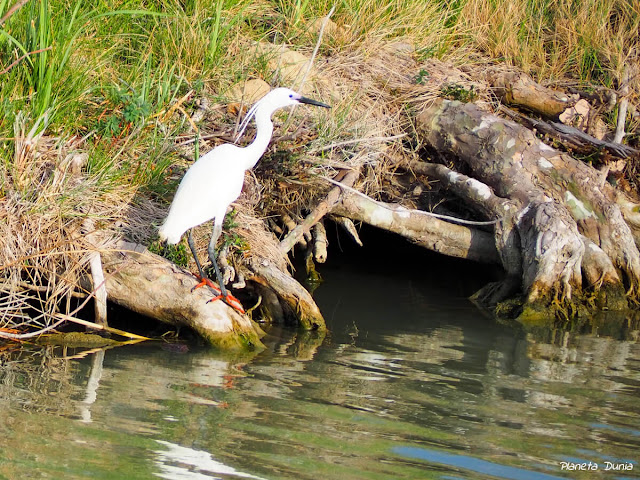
{"x": 215, "y": 180}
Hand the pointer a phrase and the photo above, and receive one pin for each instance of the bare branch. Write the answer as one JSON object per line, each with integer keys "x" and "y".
{"x": 12, "y": 10}
{"x": 332, "y": 198}
{"x": 22, "y": 58}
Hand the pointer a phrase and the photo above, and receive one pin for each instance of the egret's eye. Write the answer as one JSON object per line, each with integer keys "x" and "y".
{"x": 291, "y": 95}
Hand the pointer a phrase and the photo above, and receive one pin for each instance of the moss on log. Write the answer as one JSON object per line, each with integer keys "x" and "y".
{"x": 151, "y": 285}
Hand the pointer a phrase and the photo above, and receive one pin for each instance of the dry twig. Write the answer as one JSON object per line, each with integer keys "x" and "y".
{"x": 12, "y": 10}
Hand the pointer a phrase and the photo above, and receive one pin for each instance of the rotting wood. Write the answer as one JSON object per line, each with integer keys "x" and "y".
{"x": 518, "y": 88}
{"x": 571, "y": 137}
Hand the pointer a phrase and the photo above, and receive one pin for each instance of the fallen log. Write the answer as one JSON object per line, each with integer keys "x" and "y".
{"x": 518, "y": 88}
{"x": 420, "y": 227}
{"x": 571, "y": 137}
{"x": 153, "y": 286}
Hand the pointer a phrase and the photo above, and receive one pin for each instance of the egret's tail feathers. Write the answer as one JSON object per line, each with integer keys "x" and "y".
{"x": 166, "y": 235}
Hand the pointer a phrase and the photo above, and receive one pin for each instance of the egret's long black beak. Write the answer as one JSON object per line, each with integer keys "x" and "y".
{"x": 310, "y": 101}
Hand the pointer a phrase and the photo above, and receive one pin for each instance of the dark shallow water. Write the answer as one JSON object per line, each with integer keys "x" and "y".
{"x": 411, "y": 383}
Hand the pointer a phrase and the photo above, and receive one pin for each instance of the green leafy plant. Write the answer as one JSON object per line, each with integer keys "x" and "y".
{"x": 230, "y": 237}
{"x": 422, "y": 76}
{"x": 127, "y": 109}
{"x": 459, "y": 92}
{"x": 178, "y": 254}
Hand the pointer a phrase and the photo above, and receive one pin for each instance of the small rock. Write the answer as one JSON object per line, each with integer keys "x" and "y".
{"x": 248, "y": 92}
{"x": 331, "y": 29}
{"x": 577, "y": 116}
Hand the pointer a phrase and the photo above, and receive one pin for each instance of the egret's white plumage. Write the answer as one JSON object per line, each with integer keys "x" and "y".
{"x": 215, "y": 180}
{"x": 204, "y": 193}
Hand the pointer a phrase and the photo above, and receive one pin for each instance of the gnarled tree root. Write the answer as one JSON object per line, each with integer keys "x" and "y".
{"x": 564, "y": 209}
{"x": 294, "y": 298}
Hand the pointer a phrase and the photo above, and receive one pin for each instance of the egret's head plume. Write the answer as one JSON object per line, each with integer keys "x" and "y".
{"x": 272, "y": 101}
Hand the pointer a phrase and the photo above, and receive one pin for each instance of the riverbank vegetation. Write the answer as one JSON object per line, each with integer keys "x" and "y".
{"x": 105, "y": 104}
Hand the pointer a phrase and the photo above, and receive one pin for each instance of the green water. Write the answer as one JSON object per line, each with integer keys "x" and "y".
{"x": 411, "y": 383}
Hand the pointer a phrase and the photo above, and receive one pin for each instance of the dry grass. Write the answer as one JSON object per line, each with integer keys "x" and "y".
{"x": 45, "y": 212}
{"x": 589, "y": 41}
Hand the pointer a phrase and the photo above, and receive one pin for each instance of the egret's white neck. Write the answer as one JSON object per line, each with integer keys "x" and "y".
{"x": 264, "y": 130}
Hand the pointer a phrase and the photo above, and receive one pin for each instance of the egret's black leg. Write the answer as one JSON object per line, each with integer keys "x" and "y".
{"x": 229, "y": 299}
{"x": 212, "y": 257}
{"x": 204, "y": 280}
{"x": 195, "y": 254}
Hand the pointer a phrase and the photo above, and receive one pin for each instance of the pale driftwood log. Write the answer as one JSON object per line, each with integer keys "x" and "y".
{"x": 97, "y": 275}
{"x": 561, "y": 198}
{"x": 324, "y": 207}
{"x": 98, "y": 284}
{"x": 421, "y": 228}
{"x": 294, "y": 296}
{"x": 152, "y": 286}
{"x": 518, "y": 88}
